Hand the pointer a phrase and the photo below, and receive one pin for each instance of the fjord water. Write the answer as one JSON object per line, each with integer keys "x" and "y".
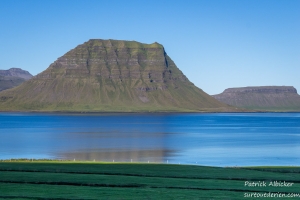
{"x": 226, "y": 139}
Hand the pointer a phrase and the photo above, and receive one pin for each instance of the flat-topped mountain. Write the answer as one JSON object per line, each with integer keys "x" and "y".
{"x": 13, "y": 77}
{"x": 111, "y": 75}
{"x": 270, "y": 98}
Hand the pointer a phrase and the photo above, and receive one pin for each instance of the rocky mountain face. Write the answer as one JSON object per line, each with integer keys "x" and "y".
{"x": 270, "y": 98}
{"x": 111, "y": 75}
{"x": 13, "y": 77}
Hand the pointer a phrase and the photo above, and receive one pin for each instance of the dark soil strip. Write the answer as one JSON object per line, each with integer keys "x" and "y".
{"x": 130, "y": 186}
{"x": 76, "y": 184}
{"x": 34, "y": 198}
{"x": 277, "y": 171}
{"x": 151, "y": 176}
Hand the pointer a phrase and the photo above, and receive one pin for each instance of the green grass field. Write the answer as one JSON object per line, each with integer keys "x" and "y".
{"x": 94, "y": 180}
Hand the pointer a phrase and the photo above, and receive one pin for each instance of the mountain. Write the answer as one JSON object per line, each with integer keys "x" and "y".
{"x": 13, "y": 77}
{"x": 16, "y": 72}
{"x": 269, "y": 98}
{"x": 111, "y": 75}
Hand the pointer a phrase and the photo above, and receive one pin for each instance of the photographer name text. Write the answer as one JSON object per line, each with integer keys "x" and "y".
{"x": 268, "y": 184}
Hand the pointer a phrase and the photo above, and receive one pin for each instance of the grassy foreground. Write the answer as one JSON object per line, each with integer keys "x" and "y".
{"x": 92, "y": 180}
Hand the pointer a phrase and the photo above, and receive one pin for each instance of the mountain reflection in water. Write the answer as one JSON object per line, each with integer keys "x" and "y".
{"x": 122, "y": 155}
{"x": 136, "y": 145}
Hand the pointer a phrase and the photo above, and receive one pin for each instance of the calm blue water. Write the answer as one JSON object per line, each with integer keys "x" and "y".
{"x": 203, "y": 139}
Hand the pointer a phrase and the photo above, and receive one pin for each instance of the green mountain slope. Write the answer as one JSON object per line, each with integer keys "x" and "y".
{"x": 110, "y": 75}
{"x": 269, "y": 98}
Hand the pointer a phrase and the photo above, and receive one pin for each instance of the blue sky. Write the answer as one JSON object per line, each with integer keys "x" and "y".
{"x": 217, "y": 44}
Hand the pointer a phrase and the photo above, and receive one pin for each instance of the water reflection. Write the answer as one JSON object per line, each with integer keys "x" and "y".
{"x": 119, "y": 155}
{"x": 119, "y": 145}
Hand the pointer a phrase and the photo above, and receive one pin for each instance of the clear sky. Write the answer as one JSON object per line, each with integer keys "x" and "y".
{"x": 216, "y": 43}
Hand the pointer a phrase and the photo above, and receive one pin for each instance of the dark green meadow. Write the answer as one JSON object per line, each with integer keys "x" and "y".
{"x": 94, "y": 180}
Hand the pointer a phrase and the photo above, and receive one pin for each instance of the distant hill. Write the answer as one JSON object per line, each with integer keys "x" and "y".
{"x": 13, "y": 77}
{"x": 269, "y": 98}
{"x": 111, "y": 75}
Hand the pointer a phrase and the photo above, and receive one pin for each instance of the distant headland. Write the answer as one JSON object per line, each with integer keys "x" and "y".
{"x": 263, "y": 98}
{"x": 13, "y": 77}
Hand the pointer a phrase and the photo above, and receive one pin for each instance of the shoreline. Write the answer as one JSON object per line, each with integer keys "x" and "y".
{"x": 158, "y": 112}
{"x": 57, "y": 161}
